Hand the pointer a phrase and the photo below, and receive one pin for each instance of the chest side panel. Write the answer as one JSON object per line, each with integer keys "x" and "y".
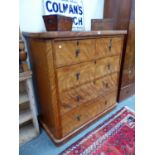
{"x": 41, "y": 57}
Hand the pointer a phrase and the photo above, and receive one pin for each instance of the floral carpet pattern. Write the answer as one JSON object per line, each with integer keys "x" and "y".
{"x": 115, "y": 136}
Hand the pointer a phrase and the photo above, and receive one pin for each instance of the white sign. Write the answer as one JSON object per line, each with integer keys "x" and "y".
{"x": 69, "y": 8}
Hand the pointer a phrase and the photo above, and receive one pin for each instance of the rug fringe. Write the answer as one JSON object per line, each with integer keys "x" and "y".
{"x": 129, "y": 109}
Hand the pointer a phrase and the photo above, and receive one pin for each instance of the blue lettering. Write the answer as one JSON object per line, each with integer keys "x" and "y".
{"x": 55, "y": 7}
{"x": 77, "y": 21}
{"x": 80, "y": 10}
{"x": 71, "y": 9}
{"x": 47, "y": 6}
{"x": 61, "y": 11}
{"x": 80, "y": 21}
{"x": 75, "y": 8}
{"x": 65, "y": 7}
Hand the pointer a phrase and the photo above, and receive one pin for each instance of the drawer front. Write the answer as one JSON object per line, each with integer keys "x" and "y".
{"x": 72, "y": 52}
{"x": 72, "y": 76}
{"x": 107, "y": 66}
{"x": 84, "y": 113}
{"x": 82, "y": 94}
{"x": 77, "y": 96}
{"x": 107, "y": 83}
{"x": 102, "y": 103}
{"x": 108, "y": 46}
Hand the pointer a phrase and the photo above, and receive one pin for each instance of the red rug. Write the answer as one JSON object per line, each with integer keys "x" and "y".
{"x": 115, "y": 136}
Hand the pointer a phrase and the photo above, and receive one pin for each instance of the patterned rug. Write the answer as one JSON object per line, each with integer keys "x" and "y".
{"x": 115, "y": 136}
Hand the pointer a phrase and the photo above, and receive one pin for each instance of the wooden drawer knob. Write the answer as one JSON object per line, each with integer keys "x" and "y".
{"x": 77, "y": 52}
{"x": 105, "y": 102}
{"x": 110, "y": 45}
{"x": 77, "y": 43}
{"x": 94, "y": 82}
{"x": 77, "y": 76}
{"x": 78, "y": 98}
{"x": 109, "y": 66}
{"x": 78, "y": 117}
{"x": 106, "y": 85}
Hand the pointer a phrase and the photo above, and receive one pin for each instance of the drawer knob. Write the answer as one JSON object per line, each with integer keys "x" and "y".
{"x": 110, "y": 45}
{"x": 77, "y": 43}
{"x": 105, "y": 102}
{"x": 77, "y": 53}
{"x": 78, "y": 98}
{"x": 109, "y": 66}
{"x": 78, "y": 117}
{"x": 94, "y": 82}
{"x": 77, "y": 75}
{"x": 106, "y": 85}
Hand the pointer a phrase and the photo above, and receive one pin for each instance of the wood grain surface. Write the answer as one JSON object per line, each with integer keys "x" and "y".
{"x": 86, "y": 92}
{"x": 107, "y": 65}
{"x": 72, "y": 76}
{"x": 76, "y": 76}
{"x": 45, "y": 83}
{"x": 108, "y": 46}
{"x": 72, "y": 52}
{"x": 70, "y": 34}
{"x": 85, "y": 112}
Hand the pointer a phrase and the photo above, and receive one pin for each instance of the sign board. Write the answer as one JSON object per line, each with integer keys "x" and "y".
{"x": 69, "y": 8}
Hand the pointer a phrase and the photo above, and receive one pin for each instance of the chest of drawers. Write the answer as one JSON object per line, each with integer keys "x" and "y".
{"x": 76, "y": 76}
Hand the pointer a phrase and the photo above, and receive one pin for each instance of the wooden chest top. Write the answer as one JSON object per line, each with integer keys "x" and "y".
{"x": 68, "y": 34}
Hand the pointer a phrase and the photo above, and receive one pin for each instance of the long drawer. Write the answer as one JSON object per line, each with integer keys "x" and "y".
{"x": 72, "y": 76}
{"x": 81, "y": 114}
{"x": 74, "y": 51}
{"x": 84, "y": 93}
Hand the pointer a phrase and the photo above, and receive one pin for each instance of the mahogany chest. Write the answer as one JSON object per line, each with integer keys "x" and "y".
{"x": 76, "y": 75}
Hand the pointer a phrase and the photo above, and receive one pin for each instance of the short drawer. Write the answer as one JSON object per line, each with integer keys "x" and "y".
{"x": 108, "y": 46}
{"x": 84, "y": 93}
{"x": 102, "y": 103}
{"x": 84, "y": 113}
{"x": 74, "y": 51}
{"x": 72, "y": 76}
{"x": 107, "y": 66}
{"x": 107, "y": 83}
